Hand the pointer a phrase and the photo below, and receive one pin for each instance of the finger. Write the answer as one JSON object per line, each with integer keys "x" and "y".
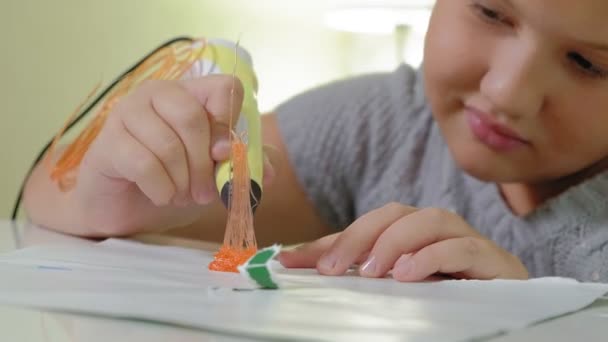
{"x": 143, "y": 124}
{"x": 220, "y": 149}
{"x": 187, "y": 117}
{"x": 135, "y": 163}
{"x": 471, "y": 257}
{"x": 359, "y": 238}
{"x": 412, "y": 233}
{"x": 362, "y": 258}
{"x": 307, "y": 255}
{"x": 222, "y": 97}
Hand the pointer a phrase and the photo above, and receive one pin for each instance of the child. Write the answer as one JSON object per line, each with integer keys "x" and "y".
{"x": 487, "y": 163}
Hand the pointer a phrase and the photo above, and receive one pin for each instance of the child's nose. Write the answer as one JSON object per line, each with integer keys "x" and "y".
{"x": 514, "y": 81}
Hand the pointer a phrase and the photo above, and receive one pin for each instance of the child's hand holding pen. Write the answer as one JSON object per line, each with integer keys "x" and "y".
{"x": 153, "y": 163}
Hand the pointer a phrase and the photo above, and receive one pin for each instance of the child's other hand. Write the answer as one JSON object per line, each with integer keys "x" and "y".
{"x": 413, "y": 243}
{"x": 153, "y": 163}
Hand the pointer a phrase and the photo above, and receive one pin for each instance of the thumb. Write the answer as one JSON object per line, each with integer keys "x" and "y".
{"x": 222, "y": 99}
{"x": 307, "y": 255}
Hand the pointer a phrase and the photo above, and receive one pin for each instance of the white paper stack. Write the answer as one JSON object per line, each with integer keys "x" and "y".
{"x": 127, "y": 279}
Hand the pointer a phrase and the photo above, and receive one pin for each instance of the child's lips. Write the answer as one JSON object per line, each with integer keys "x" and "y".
{"x": 492, "y": 134}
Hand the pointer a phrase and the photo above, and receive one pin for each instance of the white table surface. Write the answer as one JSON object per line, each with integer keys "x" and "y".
{"x": 21, "y": 324}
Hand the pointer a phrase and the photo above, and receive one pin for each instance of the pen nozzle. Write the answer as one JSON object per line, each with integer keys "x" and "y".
{"x": 255, "y": 195}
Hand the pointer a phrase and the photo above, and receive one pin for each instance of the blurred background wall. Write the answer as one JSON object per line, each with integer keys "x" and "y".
{"x": 54, "y": 52}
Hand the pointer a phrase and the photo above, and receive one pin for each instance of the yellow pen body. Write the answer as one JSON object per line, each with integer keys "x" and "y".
{"x": 219, "y": 57}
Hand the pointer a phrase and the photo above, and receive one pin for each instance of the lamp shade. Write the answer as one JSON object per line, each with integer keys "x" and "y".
{"x": 379, "y": 16}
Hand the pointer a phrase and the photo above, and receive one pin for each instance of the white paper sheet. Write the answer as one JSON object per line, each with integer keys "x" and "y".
{"x": 121, "y": 278}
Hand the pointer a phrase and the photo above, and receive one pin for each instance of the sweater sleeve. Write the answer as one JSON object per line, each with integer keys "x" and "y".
{"x": 331, "y": 132}
{"x": 573, "y": 234}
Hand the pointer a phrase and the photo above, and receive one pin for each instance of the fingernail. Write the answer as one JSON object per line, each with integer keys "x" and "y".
{"x": 404, "y": 265}
{"x": 221, "y": 149}
{"x": 328, "y": 263}
{"x": 206, "y": 196}
{"x": 369, "y": 267}
{"x": 283, "y": 257}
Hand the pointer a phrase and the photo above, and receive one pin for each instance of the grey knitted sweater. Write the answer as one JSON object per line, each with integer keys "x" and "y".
{"x": 361, "y": 143}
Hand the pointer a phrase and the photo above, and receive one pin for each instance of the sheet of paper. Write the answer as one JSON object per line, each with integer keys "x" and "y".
{"x": 121, "y": 278}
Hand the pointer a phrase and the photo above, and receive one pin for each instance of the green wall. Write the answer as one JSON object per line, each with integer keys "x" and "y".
{"x": 54, "y": 52}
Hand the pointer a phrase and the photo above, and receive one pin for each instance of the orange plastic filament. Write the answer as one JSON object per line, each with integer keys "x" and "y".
{"x": 169, "y": 63}
{"x": 239, "y": 239}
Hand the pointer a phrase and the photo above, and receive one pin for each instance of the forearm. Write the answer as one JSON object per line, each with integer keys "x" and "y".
{"x": 97, "y": 216}
{"x": 48, "y": 206}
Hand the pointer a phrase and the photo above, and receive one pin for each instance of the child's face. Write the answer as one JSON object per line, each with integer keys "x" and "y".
{"x": 519, "y": 87}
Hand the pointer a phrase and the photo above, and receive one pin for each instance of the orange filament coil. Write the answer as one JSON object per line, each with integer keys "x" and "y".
{"x": 168, "y": 63}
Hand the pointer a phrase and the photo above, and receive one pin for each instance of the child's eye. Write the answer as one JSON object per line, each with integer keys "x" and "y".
{"x": 488, "y": 14}
{"x": 585, "y": 66}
